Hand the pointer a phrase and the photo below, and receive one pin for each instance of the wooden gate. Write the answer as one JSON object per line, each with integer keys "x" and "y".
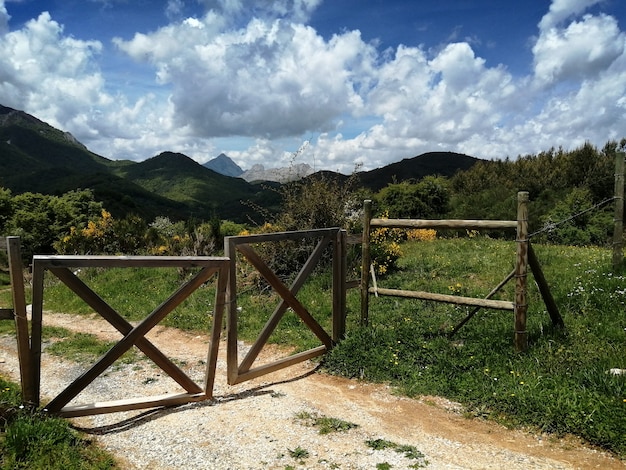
{"x": 240, "y": 372}
{"x": 132, "y": 335}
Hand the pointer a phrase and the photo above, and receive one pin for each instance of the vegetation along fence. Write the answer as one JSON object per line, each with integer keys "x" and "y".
{"x": 525, "y": 256}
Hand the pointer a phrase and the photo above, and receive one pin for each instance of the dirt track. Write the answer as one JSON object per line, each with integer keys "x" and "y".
{"x": 253, "y": 425}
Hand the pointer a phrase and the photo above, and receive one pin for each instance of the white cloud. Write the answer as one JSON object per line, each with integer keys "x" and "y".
{"x": 562, "y": 10}
{"x": 581, "y": 50}
{"x": 268, "y": 80}
{"x": 238, "y": 11}
{"x": 259, "y": 73}
{"x": 42, "y": 70}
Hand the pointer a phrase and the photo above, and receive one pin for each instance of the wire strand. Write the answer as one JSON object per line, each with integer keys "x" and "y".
{"x": 549, "y": 226}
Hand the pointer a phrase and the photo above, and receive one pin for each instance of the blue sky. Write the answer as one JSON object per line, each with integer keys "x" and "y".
{"x": 363, "y": 83}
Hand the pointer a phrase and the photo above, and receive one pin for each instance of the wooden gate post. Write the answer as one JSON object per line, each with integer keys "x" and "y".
{"x": 29, "y": 394}
{"x": 521, "y": 272}
{"x": 365, "y": 261}
{"x": 618, "y": 227}
{"x": 339, "y": 285}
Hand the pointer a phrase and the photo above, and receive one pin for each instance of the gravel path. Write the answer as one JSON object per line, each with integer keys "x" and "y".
{"x": 258, "y": 425}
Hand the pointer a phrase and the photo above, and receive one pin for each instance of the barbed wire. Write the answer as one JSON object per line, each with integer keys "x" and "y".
{"x": 549, "y": 226}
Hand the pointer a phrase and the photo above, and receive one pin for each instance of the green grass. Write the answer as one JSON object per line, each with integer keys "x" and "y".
{"x": 324, "y": 424}
{"x": 84, "y": 347}
{"x": 560, "y": 385}
{"x": 32, "y": 440}
{"x": 410, "y": 452}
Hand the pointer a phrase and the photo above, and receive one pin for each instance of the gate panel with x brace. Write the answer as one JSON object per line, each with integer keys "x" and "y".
{"x": 238, "y": 373}
{"x": 132, "y": 336}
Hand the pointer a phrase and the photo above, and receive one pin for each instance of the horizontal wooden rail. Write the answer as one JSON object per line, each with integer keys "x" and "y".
{"x": 100, "y": 261}
{"x": 445, "y": 224}
{"x": 128, "y": 404}
{"x": 451, "y": 299}
{"x": 279, "y": 364}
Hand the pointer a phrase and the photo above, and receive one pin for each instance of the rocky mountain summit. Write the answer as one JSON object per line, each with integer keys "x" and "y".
{"x": 280, "y": 175}
{"x": 224, "y": 165}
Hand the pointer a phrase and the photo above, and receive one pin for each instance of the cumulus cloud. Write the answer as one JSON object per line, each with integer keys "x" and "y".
{"x": 562, "y": 10}
{"x": 269, "y": 79}
{"x": 258, "y": 74}
{"x": 298, "y": 11}
{"x": 44, "y": 70}
{"x": 581, "y": 50}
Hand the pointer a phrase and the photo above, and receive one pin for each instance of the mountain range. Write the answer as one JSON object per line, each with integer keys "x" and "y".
{"x": 36, "y": 157}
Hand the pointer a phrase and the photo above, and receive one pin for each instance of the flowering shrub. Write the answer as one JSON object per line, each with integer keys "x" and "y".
{"x": 97, "y": 237}
{"x": 385, "y": 248}
{"x": 421, "y": 234}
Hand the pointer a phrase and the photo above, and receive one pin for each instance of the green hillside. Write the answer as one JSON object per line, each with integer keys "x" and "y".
{"x": 36, "y": 157}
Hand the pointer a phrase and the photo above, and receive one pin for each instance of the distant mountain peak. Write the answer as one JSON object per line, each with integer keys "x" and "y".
{"x": 224, "y": 165}
{"x": 281, "y": 175}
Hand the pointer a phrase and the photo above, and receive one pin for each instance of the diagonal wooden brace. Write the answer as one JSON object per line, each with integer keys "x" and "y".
{"x": 131, "y": 338}
{"x": 285, "y": 293}
{"x": 123, "y": 326}
{"x": 272, "y": 322}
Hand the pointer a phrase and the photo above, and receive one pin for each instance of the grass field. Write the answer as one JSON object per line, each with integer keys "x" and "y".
{"x": 561, "y": 385}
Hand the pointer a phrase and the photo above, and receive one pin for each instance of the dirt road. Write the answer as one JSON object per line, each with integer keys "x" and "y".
{"x": 260, "y": 425}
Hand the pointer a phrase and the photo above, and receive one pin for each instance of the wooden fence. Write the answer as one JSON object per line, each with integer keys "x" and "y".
{"x": 62, "y": 266}
{"x": 18, "y": 314}
{"x": 524, "y": 254}
{"x": 244, "y": 245}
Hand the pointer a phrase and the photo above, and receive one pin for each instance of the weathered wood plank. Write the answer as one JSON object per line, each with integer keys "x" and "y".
{"x": 280, "y": 364}
{"x": 123, "y": 326}
{"x": 445, "y": 224}
{"x": 521, "y": 273}
{"x": 284, "y": 292}
{"x": 21, "y": 322}
{"x": 232, "y": 360}
{"x": 365, "y": 261}
{"x": 452, "y": 299}
{"x": 281, "y": 236}
{"x": 130, "y": 339}
{"x": 340, "y": 270}
{"x": 216, "y": 329}
{"x": 130, "y": 404}
{"x": 78, "y": 261}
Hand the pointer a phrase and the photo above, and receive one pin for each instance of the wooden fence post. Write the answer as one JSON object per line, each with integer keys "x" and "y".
{"x": 29, "y": 394}
{"x": 618, "y": 227}
{"x": 365, "y": 261}
{"x": 521, "y": 272}
{"x": 339, "y": 285}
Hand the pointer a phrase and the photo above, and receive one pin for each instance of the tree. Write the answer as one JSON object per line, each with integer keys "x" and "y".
{"x": 427, "y": 199}
{"x": 6, "y": 208}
